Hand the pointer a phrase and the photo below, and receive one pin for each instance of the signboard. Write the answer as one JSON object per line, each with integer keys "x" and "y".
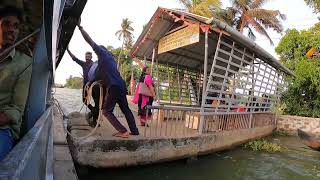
{"x": 183, "y": 37}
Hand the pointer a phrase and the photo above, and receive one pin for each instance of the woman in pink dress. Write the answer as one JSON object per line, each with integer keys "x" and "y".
{"x": 143, "y": 100}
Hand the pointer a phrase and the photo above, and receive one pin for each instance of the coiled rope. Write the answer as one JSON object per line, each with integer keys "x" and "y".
{"x": 88, "y": 98}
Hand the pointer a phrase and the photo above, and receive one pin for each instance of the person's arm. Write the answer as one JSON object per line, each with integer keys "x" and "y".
{"x": 74, "y": 58}
{"x": 97, "y": 49}
{"x": 149, "y": 82}
{"x": 86, "y": 36}
{"x": 4, "y": 119}
{"x": 153, "y": 92}
{"x": 12, "y": 113}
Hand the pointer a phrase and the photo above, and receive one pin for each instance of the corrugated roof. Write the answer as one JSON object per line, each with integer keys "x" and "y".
{"x": 192, "y": 56}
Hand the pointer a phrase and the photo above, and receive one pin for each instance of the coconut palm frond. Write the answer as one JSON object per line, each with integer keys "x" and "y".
{"x": 251, "y": 35}
{"x": 243, "y": 23}
{"x": 267, "y": 18}
{"x": 257, "y": 3}
{"x": 264, "y": 13}
{"x": 119, "y": 34}
{"x": 186, "y": 3}
{"x": 243, "y": 3}
{"x": 201, "y": 7}
{"x": 259, "y": 28}
{"x": 248, "y": 14}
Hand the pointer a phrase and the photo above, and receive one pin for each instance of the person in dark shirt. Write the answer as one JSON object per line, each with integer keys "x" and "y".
{"x": 115, "y": 87}
{"x": 85, "y": 65}
{"x": 88, "y": 69}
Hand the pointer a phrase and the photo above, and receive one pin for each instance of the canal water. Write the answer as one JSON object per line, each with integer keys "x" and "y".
{"x": 297, "y": 162}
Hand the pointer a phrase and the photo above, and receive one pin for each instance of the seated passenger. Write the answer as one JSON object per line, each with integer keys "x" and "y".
{"x": 15, "y": 74}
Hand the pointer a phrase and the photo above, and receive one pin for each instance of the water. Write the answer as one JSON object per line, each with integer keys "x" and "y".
{"x": 69, "y": 99}
{"x": 297, "y": 163}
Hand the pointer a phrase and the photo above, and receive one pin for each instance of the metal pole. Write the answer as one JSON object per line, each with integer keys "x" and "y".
{"x": 169, "y": 82}
{"x": 153, "y": 56}
{"x": 277, "y": 97}
{"x": 179, "y": 85}
{"x": 251, "y": 106}
{"x": 199, "y": 85}
{"x": 158, "y": 84}
{"x": 205, "y": 72}
{"x": 253, "y": 85}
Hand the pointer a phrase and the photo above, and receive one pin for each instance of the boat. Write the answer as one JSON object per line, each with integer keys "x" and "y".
{"x": 309, "y": 139}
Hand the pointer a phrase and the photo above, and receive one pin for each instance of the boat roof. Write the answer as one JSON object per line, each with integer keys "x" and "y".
{"x": 165, "y": 20}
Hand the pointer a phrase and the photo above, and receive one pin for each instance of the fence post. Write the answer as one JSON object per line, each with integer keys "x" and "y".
{"x": 250, "y": 121}
{"x": 205, "y": 73}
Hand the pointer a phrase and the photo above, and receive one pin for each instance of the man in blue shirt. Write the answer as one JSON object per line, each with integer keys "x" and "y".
{"x": 115, "y": 87}
{"x": 85, "y": 65}
{"x": 89, "y": 69}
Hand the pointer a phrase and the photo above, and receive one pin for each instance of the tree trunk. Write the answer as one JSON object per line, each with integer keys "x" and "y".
{"x": 132, "y": 83}
{"x": 119, "y": 57}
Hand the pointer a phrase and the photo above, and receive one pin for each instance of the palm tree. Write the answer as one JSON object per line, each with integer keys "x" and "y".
{"x": 125, "y": 33}
{"x": 201, "y": 7}
{"x": 249, "y": 14}
{"x": 128, "y": 44}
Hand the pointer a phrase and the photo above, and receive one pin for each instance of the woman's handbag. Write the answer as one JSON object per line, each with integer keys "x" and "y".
{"x": 144, "y": 90}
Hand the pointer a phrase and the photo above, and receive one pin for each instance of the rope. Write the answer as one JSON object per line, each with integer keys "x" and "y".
{"x": 81, "y": 108}
{"x": 88, "y": 99}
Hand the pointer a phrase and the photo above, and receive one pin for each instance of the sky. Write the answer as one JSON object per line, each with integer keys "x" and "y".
{"x": 101, "y": 19}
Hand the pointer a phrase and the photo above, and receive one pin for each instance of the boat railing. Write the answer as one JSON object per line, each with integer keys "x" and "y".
{"x": 180, "y": 121}
{"x": 227, "y": 121}
{"x": 32, "y": 157}
{"x": 170, "y": 121}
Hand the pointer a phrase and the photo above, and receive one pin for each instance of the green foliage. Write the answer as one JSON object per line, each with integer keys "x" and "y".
{"x": 74, "y": 82}
{"x": 288, "y": 45}
{"x": 303, "y": 94}
{"x": 125, "y": 63}
{"x": 278, "y": 133}
{"x": 315, "y": 4}
{"x": 263, "y": 145}
{"x": 294, "y": 45}
{"x": 201, "y": 7}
